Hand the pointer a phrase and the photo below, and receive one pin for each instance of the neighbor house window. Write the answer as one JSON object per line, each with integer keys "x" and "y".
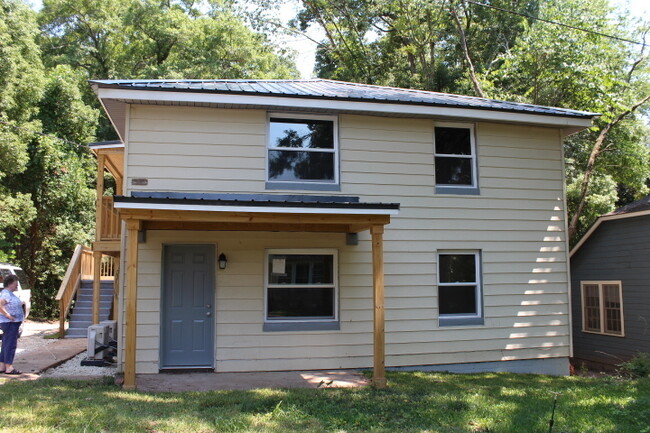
{"x": 459, "y": 288}
{"x": 602, "y": 307}
{"x": 301, "y": 289}
{"x": 302, "y": 152}
{"x": 455, "y": 159}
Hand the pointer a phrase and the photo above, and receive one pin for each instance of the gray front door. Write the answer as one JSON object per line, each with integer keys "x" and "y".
{"x": 187, "y": 339}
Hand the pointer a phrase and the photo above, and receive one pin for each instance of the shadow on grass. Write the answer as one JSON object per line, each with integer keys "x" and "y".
{"x": 414, "y": 402}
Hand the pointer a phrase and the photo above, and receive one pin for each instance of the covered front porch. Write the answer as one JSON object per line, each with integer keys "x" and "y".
{"x": 152, "y": 215}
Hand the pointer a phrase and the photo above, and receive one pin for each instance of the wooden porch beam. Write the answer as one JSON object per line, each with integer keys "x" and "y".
{"x": 378, "y": 375}
{"x": 132, "y": 227}
{"x": 254, "y": 217}
{"x": 224, "y": 226}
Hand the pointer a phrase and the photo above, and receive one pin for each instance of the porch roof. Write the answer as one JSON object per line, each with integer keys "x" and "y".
{"x": 259, "y": 212}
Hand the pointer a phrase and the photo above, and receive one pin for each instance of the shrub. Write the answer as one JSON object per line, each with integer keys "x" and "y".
{"x": 638, "y": 366}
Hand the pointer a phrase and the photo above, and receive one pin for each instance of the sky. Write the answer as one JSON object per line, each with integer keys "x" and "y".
{"x": 306, "y": 49}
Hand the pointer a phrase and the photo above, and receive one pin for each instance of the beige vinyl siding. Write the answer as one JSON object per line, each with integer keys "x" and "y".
{"x": 517, "y": 222}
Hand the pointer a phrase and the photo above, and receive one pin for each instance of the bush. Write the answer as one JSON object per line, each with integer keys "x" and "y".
{"x": 638, "y": 366}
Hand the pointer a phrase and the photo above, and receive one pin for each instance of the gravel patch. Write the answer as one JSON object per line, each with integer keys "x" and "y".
{"x": 33, "y": 336}
{"x": 73, "y": 368}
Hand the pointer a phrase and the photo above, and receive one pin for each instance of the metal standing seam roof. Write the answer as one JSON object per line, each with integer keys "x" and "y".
{"x": 337, "y": 90}
{"x": 253, "y": 200}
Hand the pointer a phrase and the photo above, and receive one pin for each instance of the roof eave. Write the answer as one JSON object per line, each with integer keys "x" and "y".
{"x": 600, "y": 220}
{"x": 107, "y": 92}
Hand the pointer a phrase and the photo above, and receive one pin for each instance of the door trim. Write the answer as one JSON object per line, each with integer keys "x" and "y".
{"x": 213, "y": 269}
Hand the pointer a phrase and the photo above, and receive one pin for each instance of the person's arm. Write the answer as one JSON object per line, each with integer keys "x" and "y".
{"x": 4, "y": 311}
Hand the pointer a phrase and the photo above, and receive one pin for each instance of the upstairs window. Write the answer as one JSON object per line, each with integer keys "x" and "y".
{"x": 459, "y": 288}
{"x": 302, "y": 153}
{"x": 455, "y": 159}
{"x": 602, "y": 307}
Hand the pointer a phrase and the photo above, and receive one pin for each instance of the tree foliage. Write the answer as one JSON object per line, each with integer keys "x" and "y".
{"x": 48, "y": 114}
{"x": 512, "y": 50}
{"x": 158, "y": 39}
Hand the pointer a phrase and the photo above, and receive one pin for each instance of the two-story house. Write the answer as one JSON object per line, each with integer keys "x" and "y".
{"x": 315, "y": 224}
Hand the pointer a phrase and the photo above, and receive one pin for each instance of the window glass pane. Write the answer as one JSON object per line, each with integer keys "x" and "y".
{"x": 457, "y": 268}
{"x": 457, "y": 299}
{"x": 592, "y": 307}
{"x": 453, "y": 141}
{"x": 306, "y": 134}
{"x": 612, "y": 304}
{"x": 453, "y": 171}
{"x": 301, "y": 269}
{"x": 301, "y": 302}
{"x": 296, "y": 165}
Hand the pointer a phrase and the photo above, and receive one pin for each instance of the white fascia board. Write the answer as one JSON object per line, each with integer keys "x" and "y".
{"x": 332, "y": 104}
{"x": 255, "y": 209}
{"x": 108, "y": 146}
{"x": 600, "y": 220}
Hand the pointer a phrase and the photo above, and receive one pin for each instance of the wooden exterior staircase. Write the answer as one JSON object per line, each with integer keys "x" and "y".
{"x": 91, "y": 285}
{"x": 77, "y": 292}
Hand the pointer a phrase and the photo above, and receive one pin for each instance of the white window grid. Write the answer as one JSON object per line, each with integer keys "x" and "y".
{"x": 601, "y": 305}
{"x": 477, "y": 284}
{"x": 472, "y": 157}
{"x": 309, "y": 251}
{"x": 301, "y": 116}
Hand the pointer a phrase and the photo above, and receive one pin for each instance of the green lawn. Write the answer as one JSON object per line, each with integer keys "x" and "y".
{"x": 414, "y": 402}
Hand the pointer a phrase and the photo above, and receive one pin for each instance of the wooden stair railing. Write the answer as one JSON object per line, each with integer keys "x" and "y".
{"x": 80, "y": 268}
{"x": 109, "y": 224}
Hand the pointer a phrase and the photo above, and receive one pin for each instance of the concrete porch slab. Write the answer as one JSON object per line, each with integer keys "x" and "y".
{"x": 180, "y": 382}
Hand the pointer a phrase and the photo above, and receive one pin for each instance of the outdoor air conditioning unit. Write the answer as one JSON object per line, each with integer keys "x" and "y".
{"x": 112, "y": 331}
{"x": 97, "y": 345}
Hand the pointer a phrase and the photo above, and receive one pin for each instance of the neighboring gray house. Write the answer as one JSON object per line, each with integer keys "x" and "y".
{"x": 610, "y": 287}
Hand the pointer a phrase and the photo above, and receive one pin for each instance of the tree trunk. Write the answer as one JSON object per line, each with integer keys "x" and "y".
{"x": 595, "y": 153}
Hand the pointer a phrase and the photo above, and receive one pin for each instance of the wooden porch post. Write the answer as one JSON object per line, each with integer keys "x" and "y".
{"x": 131, "y": 292}
{"x": 97, "y": 280}
{"x": 378, "y": 376}
{"x": 97, "y": 256}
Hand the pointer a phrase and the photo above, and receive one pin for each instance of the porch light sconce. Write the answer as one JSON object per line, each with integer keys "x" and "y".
{"x": 223, "y": 261}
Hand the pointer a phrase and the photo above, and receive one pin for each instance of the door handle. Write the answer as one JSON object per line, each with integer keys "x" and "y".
{"x": 208, "y": 314}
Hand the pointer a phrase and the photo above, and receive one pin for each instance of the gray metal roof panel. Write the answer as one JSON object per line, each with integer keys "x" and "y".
{"x": 339, "y": 90}
{"x": 253, "y": 200}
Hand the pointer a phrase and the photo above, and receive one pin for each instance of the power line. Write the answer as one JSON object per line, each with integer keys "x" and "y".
{"x": 557, "y": 23}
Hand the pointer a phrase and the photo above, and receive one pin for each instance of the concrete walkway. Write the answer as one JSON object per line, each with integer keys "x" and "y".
{"x": 179, "y": 382}
{"x": 37, "y": 355}
{"x": 34, "y": 362}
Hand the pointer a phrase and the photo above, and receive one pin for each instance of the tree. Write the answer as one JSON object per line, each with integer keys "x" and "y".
{"x": 512, "y": 50}
{"x": 559, "y": 66}
{"x": 45, "y": 177}
{"x": 157, "y": 39}
{"x": 412, "y": 43}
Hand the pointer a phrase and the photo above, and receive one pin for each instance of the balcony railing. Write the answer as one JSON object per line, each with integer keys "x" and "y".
{"x": 109, "y": 229}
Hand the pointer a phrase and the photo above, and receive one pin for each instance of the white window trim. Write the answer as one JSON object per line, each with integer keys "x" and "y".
{"x": 303, "y": 184}
{"x": 473, "y": 156}
{"x": 335, "y": 281}
{"x": 600, "y": 284}
{"x": 478, "y": 283}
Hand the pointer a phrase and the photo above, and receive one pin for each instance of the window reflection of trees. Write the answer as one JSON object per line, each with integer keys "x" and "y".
{"x": 302, "y": 165}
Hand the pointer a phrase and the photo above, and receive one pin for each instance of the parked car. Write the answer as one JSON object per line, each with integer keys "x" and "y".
{"x": 24, "y": 291}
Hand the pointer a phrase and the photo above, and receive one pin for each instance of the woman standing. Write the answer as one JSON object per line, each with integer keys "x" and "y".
{"x": 11, "y": 317}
